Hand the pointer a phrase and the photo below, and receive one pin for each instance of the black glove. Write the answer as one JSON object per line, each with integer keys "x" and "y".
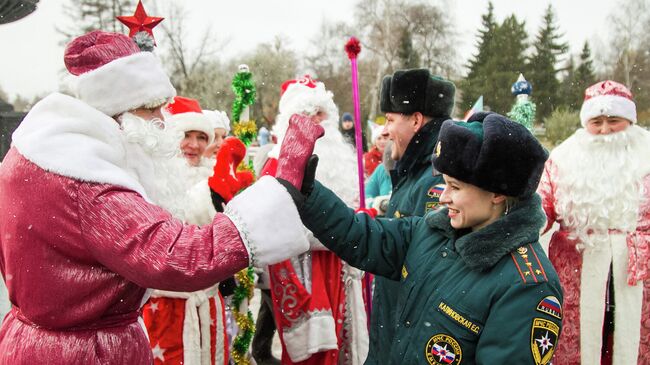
{"x": 227, "y": 287}
{"x": 217, "y": 201}
{"x": 308, "y": 179}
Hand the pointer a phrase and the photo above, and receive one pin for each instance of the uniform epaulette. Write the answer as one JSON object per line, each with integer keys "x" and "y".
{"x": 528, "y": 265}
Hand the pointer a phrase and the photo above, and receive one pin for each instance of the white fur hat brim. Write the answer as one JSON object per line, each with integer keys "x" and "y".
{"x": 125, "y": 84}
{"x": 608, "y": 105}
{"x": 191, "y": 121}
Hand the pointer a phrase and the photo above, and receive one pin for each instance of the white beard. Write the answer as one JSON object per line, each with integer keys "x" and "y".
{"x": 598, "y": 182}
{"x": 150, "y": 158}
{"x": 337, "y": 162}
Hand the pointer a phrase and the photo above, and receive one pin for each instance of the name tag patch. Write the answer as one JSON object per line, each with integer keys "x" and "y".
{"x": 452, "y": 314}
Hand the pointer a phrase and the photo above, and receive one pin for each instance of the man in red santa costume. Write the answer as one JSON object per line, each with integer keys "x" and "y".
{"x": 317, "y": 298}
{"x": 82, "y": 231}
{"x": 596, "y": 185}
{"x": 188, "y": 327}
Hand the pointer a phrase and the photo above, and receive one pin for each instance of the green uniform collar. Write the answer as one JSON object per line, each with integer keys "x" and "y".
{"x": 481, "y": 250}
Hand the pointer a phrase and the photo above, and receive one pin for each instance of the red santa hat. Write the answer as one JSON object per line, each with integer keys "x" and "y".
{"x": 608, "y": 98}
{"x": 113, "y": 76}
{"x": 186, "y": 115}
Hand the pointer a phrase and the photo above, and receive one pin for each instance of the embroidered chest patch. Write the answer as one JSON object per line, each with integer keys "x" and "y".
{"x": 551, "y": 306}
{"x": 448, "y": 311}
{"x": 543, "y": 338}
{"x": 436, "y": 191}
{"x": 443, "y": 349}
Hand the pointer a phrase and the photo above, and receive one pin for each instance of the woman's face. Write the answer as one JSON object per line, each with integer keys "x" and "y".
{"x": 380, "y": 142}
{"x": 213, "y": 148}
{"x": 193, "y": 145}
{"x": 470, "y": 206}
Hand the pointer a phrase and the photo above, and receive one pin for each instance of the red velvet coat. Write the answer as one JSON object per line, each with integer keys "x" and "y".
{"x": 77, "y": 258}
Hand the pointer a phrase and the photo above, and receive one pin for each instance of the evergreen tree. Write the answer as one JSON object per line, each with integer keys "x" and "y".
{"x": 542, "y": 66}
{"x": 408, "y": 56}
{"x": 497, "y": 65}
{"x": 568, "y": 88}
{"x": 476, "y": 76}
{"x": 583, "y": 78}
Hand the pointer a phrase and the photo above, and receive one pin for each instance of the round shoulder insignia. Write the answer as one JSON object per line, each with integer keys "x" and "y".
{"x": 522, "y": 250}
{"x": 442, "y": 349}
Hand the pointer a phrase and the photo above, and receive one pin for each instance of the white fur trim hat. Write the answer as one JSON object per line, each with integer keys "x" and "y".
{"x": 186, "y": 115}
{"x": 218, "y": 119}
{"x": 608, "y": 98}
{"x": 306, "y": 96}
{"x": 114, "y": 76}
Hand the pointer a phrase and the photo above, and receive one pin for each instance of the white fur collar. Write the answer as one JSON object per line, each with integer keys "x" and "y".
{"x": 65, "y": 136}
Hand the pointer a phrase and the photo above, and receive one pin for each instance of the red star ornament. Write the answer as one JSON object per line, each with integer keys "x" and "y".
{"x": 140, "y": 21}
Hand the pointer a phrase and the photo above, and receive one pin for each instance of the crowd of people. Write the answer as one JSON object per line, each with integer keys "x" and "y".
{"x": 125, "y": 218}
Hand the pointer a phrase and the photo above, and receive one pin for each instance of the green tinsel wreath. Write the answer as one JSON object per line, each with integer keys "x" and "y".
{"x": 244, "y": 88}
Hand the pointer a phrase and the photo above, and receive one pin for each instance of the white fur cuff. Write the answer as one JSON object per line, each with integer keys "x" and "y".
{"x": 125, "y": 84}
{"x": 313, "y": 334}
{"x": 268, "y": 222}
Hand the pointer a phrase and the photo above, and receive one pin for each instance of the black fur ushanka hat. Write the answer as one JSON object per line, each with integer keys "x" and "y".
{"x": 415, "y": 90}
{"x": 492, "y": 152}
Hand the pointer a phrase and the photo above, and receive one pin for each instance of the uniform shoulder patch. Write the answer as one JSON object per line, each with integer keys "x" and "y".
{"x": 543, "y": 338}
{"x": 442, "y": 349}
{"x": 551, "y": 306}
{"x": 528, "y": 265}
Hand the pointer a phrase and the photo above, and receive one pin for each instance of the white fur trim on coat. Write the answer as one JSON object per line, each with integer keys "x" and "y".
{"x": 269, "y": 236}
{"x": 609, "y": 105}
{"x": 316, "y": 333}
{"x": 192, "y": 121}
{"x": 629, "y": 300}
{"x": 126, "y": 84}
{"x": 65, "y": 136}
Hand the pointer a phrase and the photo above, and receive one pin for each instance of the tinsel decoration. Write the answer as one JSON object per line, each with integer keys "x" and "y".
{"x": 246, "y": 131}
{"x": 523, "y": 112}
{"x": 244, "y": 319}
{"x": 144, "y": 41}
{"x": 244, "y": 88}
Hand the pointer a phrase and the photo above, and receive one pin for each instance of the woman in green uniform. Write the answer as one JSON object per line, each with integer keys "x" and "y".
{"x": 476, "y": 286}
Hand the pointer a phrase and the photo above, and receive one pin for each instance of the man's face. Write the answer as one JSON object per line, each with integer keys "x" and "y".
{"x": 193, "y": 146}
{"x": 347, "y": 125}
{"x": 400, "y": 129}
{"x": 606, "y": 125}
{"x": 219, "y": 135}
{"x": 149, "y": 113}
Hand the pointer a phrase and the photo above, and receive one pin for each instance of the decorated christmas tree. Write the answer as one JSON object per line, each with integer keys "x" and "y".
{"x": 523, "y": 112}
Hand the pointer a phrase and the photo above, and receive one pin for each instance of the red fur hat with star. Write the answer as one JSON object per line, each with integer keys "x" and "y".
{"x": 113, "y": 76}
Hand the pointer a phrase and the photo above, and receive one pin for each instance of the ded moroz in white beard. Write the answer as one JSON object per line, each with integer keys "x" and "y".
{"x": 150, "y": 158}
{"x": 337, "y": 161}
{"x": 599, "y": 182}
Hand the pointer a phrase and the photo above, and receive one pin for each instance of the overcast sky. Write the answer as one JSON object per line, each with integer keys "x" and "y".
{"x": 31, "y": 57}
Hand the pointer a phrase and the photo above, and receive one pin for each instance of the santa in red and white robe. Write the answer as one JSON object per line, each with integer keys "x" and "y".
{"x": 318, "y": 302}
{"x": 597, "y": 187}
{"x": 188, "y": 327}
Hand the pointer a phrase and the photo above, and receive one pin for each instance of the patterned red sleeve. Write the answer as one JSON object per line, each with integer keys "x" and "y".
{"x": 145, "y": 244}
{"x": 546, "y": 190}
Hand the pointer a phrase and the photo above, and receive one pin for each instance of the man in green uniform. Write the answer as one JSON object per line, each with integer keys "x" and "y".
{"x": 415, "y": 104}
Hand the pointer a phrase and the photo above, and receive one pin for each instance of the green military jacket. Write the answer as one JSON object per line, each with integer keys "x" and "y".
{"x": 484, "y": 297}
{"x": 415, "y": 192}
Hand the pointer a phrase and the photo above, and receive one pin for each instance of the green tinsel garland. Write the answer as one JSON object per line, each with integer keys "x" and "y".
{"x": 244, "y": 88}
{"x": 242, "y": 341}
{"x": 523, "y": 112}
